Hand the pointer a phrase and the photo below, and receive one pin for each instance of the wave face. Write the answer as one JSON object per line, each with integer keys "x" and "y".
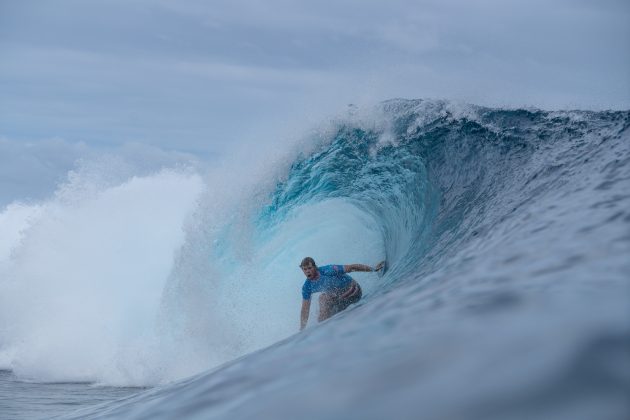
{"x": 507, "y": 233}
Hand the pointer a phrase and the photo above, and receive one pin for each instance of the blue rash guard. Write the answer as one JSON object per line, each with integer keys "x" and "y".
{"x": 331, "y": 277}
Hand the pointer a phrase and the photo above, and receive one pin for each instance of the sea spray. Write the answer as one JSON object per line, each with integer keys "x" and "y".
{"x": 85, "y": 275}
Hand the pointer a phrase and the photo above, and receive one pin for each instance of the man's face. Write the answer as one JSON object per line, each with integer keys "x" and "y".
{"x": 310, "y": 271}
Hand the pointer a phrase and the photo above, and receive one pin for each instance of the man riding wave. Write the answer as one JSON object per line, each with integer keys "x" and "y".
{"x": 338, "y": 289}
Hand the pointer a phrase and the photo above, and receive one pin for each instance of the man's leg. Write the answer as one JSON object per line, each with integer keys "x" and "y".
{"x": 327, "y": 303}
{"x": 331, "y": 303}
{"x": 342, "y": 304}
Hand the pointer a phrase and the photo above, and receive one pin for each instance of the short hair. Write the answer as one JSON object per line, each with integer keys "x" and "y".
{"x": 308, "y": 261}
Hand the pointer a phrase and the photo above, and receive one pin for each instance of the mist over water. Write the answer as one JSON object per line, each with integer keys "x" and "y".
{"x": 83, "y": 275}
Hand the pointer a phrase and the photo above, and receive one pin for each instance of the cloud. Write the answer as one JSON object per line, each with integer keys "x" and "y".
{"x": 30, "y": 171}
{"x": 197, "y": 76}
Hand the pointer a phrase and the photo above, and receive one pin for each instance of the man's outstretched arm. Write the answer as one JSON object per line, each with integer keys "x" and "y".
{"x": 306, "y": 309}
{"x": 362, "y": 267}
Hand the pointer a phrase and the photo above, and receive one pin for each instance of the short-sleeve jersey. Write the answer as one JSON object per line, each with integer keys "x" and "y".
{"x": 331, "y": 277}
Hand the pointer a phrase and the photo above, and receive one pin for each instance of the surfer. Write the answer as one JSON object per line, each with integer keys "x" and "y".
{"x": 339, "y": 290}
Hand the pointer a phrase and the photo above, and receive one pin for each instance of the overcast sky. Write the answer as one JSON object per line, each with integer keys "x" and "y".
{"x": 195, "y": 76}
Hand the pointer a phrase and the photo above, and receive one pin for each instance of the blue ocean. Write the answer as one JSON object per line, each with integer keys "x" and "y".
{"x": 176, "y": 294}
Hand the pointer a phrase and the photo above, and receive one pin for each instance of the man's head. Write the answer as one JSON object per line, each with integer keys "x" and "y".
{"x": 309, "y": 268}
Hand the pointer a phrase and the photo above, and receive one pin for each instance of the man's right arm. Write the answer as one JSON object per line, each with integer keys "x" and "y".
{"x": 362, "y": 267}
{"x": 306, "y": 308}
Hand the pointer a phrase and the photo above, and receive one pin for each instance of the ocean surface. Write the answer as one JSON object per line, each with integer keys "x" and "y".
{"x": 176, "y": 294}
